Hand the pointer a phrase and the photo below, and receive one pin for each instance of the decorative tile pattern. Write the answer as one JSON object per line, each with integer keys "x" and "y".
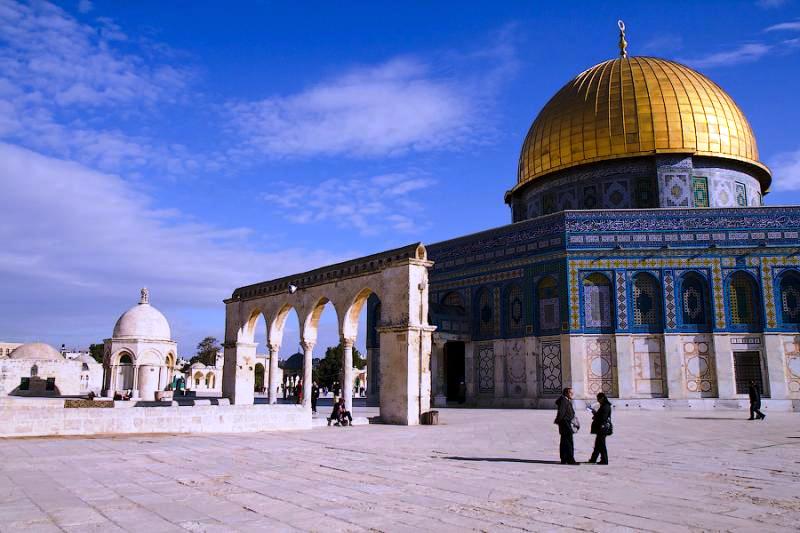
{"x": 742, "y": 300}
{"x": 486, "y": 367}
{"x": 646, "y": 300}
{"x": 486, "y": 313}
{"x": 481, "y": 280}
{"x": 693, "y": 299}
{"x": 496, "y": 321}
{"x": 649, "y": 367}
{"x": 616, "y": 194}
{"x": 622, "y": 305}
{"x": 722, "y": 193}
{"x": 700, "y": 191}
{"x": 768, "y": 293}
{"x": 791, "y": 347}
{"x": 549, "y": 304}
{"x": 674, "y": 190}
{"x": 516, "y": 323}
{"x": 790, "y": 300}
{"x": 596, "y": 301}
{"x": 644, "y": 196}
{"x": 600, "y": 366}
{"x": 698, "y": 362}
{"x": 567, "y": 200}
{"x": 590, "y": 197}
{"x": 741, "y": 194}
{"x": 551, "y": 367}
{"x": 515, "y": 358}
{"x": 719, "y": 301}
{"x": 669, "y": 299}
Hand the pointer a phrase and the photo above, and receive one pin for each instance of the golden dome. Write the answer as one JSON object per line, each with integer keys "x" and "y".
{"x": 634, "y": 106}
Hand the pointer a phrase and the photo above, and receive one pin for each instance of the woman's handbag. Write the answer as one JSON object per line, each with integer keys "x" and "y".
{"x": 607, "y": 428}
{"x": 575, "y": 424}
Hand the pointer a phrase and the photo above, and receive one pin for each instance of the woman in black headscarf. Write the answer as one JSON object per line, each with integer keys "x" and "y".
{"x": 601, "y": 427}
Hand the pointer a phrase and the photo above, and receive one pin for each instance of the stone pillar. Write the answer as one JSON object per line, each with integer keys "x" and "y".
{"x": 347, "y": 373}
{"x": 723, "y": 358}
{"x": 573, "y": 361}
{"x": 403, "y": 394}
{"x": 469, "y": 371}
{"x": 308, "y": 348}
{"x": 499, "y": 370}
{"x": 625, "y": 373}
{"x": 437, "y": 372}
{"x": 532, "y": 347}
{"x": 273, "y": 372}
{"x": 674, "y": 371}
{"x": 776, "y": 366}
{"x": 238, "y": 375}
{"x": 135, "y": 381}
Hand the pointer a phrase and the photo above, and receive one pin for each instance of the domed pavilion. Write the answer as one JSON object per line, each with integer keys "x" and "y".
{"x": 641, "y": 261}
{"x": 140, "y": 356}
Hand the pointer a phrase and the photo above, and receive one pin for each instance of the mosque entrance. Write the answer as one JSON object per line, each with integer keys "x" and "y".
{"x": 455, "y": 370}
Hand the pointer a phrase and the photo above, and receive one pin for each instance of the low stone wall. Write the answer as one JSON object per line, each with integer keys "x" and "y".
{"x": 50, "y": 418}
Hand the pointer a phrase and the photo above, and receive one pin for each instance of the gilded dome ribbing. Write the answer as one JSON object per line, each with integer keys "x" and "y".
{"x": 635, "y": 106}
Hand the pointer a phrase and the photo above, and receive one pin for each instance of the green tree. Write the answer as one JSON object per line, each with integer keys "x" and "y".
{"x": 96, "y": 351}
{"x": 207, "y": 351}
{"x": 330, "y": 368}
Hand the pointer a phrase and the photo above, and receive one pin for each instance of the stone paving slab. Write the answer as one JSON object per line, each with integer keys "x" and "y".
{"x": 482, "y": 470}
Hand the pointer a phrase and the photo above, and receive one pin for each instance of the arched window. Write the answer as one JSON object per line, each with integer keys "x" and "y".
{"x": 549, "y": 310}
{"x": 453, "y": 299}
{"x": 596, "y": 301}
{"x": 694, "y": 300}
{"x": 34, "y": 371}
{"x": 515, "y": 310}
{"x": 198, "y": 376}
{"x": 125, "y": 359}
{"x": 210, "y": 380}
{"x": 743, "y": 300}
{"x": 485, "y": 311}
{"x": 646, "y": 301}
{"x": 790, "y": 298}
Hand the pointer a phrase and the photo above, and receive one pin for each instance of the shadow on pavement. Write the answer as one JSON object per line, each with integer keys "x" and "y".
{"x": 713, "y": 418}
{"x": 503, "y": 460}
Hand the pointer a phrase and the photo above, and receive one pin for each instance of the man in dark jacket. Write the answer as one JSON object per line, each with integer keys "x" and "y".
{"x": 314, "y": 397}
{"x": 564, "y": 420}
{"x": 755, "y": 402}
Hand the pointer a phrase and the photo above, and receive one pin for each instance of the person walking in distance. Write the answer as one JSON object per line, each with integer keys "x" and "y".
{"x": 314, "y": 397}
{"x": 601, "y": 427}
{"x": 755, "y": 402}
{"x": 567, "y": 425}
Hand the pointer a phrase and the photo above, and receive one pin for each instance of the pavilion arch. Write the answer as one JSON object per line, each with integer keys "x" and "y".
{"x": 349, "y": 319}
{"x": 743, "y": 301}
{"x": 788, "y": 298}
{"x": 399, "y": 276}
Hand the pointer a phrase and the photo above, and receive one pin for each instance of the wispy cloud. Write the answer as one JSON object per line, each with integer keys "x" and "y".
{"x": 664, "y": 43}
{"x": 74, "y": 238}
{"x": 786, "y": 171}
{"x": 769, "y": 4}
{"x": 84, "y": 6}
{"x": 404, "y": 104}
{"x": 745, "y": 53}
{"x": 785, "y": 26}
{"x": 371, "y": 206}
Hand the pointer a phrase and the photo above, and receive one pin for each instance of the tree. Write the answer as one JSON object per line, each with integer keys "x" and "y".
{"x": 207, "y": 351}
{"x": 96, "y": 351}
{"x": 330, "y": 368}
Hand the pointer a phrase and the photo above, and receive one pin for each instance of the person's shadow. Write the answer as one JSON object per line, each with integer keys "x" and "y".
{"x": 502, "y": 460}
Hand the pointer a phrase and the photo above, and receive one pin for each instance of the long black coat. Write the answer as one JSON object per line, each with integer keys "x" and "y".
{"x": 565, "y": 412}
{"x": 600, "y": 416}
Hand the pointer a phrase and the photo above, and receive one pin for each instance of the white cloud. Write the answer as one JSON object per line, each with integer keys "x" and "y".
{"x": 78, "y": 243}
{"x": 371, "y": 206}
{"x": 786, "y": 171}
{"x": 745, "y": 53}
{"x": 785, "y": 26}
{"x": 767, "y": 4}
{"x": 405, "y": 104}
{"x": 395, "y": 107}
{"x": 84, "y": 6}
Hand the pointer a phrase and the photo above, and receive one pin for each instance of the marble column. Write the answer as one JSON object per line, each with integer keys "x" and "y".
{"x": 308, "y": 348}
{"x": 347, "y": 373}
{"x": 723, "y": 359}
{"x": 273, "y": 372}
{"x": 776, "y": 366}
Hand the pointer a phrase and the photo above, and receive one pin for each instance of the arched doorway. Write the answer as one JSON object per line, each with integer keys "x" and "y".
{"x": 258, "y": 385}
{"x": 455, "y": 376}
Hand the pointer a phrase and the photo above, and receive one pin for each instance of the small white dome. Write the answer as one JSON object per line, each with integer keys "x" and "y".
{"x": 38, "y": 351}
{"x": 142, "y": 321}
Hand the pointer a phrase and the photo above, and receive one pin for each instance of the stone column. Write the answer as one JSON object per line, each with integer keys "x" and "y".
{"x": 499, "y": 371}
{"x": 238, "y": 373}
{"x": 573, "y": 365}
{"x": 308, "y": 348}
{"x": 273, "y": 372}
{"x": 625, "y": 374}
{"x": 776, "y": 366}
{"x": 674, "y": 371}
{"x": 347, "y": 373}
{"x": 135, "y": 381}
{"x": 437, "y": 372}
{"x": 723, "y": 359}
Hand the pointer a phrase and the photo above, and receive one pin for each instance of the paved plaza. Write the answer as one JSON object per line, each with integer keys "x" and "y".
{"x": 487, "y": 470}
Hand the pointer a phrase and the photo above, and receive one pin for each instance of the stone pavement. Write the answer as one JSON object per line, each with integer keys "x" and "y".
{"x": 489, "y": 470}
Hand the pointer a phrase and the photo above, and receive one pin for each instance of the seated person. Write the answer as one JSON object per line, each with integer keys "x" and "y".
{"x": 335, "y": 413}
{"x": 345, "y": 418}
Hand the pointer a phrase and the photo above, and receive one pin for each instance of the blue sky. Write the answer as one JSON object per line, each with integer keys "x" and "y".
{"x": 196, "y": 147}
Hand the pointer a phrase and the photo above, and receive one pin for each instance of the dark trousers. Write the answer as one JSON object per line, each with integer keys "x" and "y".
{"x": 345, "y": 415}
{"x": 599, "y": 449}
{"x": 313, "y": 404}
{"x": 566, "y": 448}
{"x": 755, "y": 409}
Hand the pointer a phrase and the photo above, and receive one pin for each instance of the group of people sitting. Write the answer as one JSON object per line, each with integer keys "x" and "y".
{"x": 340, "y": 416}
